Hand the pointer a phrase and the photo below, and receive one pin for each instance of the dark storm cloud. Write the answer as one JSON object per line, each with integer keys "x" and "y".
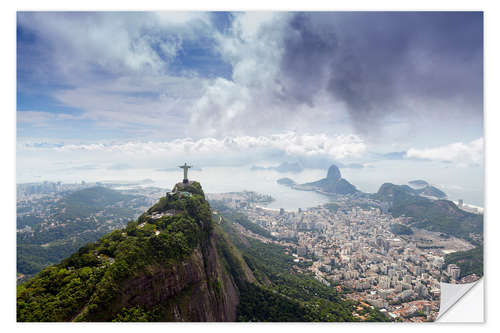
{"x": 308, "y": 52}
{"x": 380, "y": 63}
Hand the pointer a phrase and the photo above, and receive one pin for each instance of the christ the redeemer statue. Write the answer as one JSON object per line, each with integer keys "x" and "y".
{"x": 185, "y": 167}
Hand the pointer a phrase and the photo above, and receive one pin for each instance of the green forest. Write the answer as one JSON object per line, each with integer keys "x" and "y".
{"x": 470, "y": 262}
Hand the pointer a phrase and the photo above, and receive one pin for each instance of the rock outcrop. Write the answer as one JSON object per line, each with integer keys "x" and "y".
{"x": 332, "y": 184}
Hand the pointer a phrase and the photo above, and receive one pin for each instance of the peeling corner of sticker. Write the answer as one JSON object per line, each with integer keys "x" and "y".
{"x": 451, "y": 294}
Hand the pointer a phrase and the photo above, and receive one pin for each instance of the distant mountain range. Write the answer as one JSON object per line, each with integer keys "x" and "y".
{"x": 335, "y": 184}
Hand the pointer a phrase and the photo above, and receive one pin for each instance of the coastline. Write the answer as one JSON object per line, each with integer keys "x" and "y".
{"x": 470, "y": 208}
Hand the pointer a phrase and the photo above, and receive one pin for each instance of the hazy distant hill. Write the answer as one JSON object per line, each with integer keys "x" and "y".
{"x": 434, "y": 215}
{"x": 293, "y": 167}
{"x": 58, "y": 228}
{"x": 286, "y": 181}
{"x": 418, "y": 183}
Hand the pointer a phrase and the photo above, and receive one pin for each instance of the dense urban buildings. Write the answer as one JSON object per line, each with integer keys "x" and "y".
{"x": 355, "y": 249}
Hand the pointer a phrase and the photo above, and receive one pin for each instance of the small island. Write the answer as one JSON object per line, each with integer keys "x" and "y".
{"x": 286, "y": 182}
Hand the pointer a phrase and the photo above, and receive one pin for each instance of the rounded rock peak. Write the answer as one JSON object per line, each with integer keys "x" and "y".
{"x": 333, "y": 173}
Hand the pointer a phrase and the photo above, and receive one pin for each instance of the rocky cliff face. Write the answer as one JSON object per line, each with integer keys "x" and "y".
{"x": 196, "y": 289}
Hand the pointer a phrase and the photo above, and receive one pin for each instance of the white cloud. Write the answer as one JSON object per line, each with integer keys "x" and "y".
{"x": 338, "y": 147}
{"x": 117, "y": 69}
{"x": 253, "y": 101}
{"x": 117, "y": 42}
{"x": 180, "y": 18}
{"x": 207, "y": 151}
{"x": 460, "y": 153}
{"x": 245, "y": 103}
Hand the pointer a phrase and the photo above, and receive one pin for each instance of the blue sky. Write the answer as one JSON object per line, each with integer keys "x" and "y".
{"x": 258, "y": 87}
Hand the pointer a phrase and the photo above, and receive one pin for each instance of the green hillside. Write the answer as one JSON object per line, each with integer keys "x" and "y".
{"x": 236, "y": 217}
{"x": 470, "y": 262}
{"x": 400, "y": 229}
{"x": 89, "y": 284}
{"x": 434, "y": 215}
{"x": 62, "y": 227}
